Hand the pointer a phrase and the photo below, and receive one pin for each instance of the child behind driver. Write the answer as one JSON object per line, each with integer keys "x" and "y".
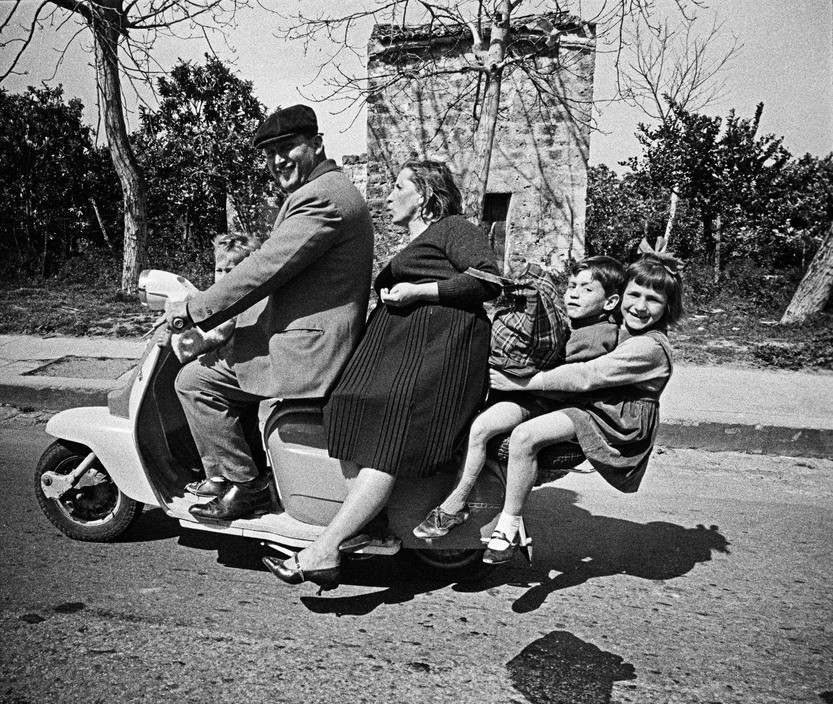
{"x": 229, "y": 251}
{"x": 593, "y": 294}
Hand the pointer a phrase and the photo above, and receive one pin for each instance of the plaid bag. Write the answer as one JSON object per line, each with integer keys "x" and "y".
{"x": 529, "y": 330}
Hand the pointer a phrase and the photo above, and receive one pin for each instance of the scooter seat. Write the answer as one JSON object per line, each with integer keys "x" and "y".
{"x": 298, "y": 421}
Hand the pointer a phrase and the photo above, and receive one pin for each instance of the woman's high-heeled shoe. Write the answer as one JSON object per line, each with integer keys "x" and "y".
{"x": 326, "y": 579}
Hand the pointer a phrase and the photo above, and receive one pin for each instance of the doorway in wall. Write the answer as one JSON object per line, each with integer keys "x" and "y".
{"x": 495, "y": 217}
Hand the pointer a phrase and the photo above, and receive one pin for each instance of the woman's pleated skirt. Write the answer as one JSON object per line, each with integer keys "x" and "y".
{"x": 406, "y": 397}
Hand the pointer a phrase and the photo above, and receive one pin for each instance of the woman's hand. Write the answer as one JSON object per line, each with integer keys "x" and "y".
{"x": 404, "y": 294}
{"x": 501, "y": 382}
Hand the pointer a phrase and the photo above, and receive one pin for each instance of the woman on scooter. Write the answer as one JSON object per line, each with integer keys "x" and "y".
{"x": 407, "y": 395}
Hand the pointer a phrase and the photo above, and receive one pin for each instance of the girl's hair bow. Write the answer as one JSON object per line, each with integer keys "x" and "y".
{"x": 672, "y": 265}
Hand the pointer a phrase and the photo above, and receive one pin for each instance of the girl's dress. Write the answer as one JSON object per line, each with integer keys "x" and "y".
{"x": 420, "y": 373}
{"x": 616, "y": 414}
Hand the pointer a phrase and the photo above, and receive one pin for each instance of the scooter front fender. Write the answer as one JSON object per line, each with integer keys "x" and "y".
{"x": 111, "y": 439}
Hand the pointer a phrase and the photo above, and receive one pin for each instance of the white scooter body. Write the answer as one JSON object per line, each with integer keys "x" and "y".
{"x": 142, "y": 440}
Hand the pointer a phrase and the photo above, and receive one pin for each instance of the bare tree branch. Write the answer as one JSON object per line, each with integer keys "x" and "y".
{"x": 679, "y": 63}
{"x": 24, "y": 42}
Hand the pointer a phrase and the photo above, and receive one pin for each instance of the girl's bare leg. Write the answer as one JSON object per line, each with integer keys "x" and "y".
{"x": 524, "y": 444}
{"x": 500, "y": 418}
{"x": 368, "y": 495}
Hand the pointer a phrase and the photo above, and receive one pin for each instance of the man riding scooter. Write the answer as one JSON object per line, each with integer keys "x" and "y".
{"x": 301, "y": 301}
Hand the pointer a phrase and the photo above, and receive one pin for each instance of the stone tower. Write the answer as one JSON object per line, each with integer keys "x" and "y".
{"x": 535, "y": 199}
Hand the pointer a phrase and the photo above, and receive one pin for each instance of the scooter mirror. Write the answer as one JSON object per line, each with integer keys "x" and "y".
{"x": 157, "y": 286}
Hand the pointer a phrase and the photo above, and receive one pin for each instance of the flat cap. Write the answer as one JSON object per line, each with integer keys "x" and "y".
{"x": 286, "y": 122}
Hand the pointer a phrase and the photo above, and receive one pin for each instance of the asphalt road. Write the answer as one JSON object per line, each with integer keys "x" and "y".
{"x": 712, "y": 584}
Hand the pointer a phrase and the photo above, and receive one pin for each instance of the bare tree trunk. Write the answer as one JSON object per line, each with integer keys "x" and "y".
{"x": 484, "y": 136}
{"x": 237, "y": 220}
{"x": 43, "y": 258}
{"x": 814, "y": 290}
{"x": 672, "y": 215}
{"x": 101, "y": 225}
{"x": 106, "y": 31}
{"x": 717, "y": 233}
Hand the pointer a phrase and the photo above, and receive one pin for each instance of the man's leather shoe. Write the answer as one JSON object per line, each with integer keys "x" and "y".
{"x": 241, "y": 500}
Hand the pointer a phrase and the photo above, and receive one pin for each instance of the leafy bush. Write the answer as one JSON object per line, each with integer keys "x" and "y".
{"x": 96, "y": 268}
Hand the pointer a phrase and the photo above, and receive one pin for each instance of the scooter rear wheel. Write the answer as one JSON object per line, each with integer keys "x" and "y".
{"x": 447, "y": 565}
{"x": 97, "y": 513}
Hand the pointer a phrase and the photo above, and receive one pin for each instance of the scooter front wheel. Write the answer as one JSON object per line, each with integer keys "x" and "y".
{"x": 96, "y": 510}
{"x": 447, "y": 565}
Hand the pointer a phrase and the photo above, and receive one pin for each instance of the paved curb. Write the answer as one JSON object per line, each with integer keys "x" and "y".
{"x": 67, "y": 393}
{"x": 753, "y": 439}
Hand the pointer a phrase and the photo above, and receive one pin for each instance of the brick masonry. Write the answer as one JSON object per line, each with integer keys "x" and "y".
{"x": 542, "y": 141}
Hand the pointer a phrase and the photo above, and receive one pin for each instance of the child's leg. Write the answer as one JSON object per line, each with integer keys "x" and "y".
{"x": 524, "y": 444}
{"x": 500, "y": 418}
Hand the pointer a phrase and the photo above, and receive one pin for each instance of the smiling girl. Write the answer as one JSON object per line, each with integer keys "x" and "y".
{"x": 613, "y": 410}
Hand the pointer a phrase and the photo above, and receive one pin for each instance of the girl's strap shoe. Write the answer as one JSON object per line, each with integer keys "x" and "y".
{"x": 497, "y": 556}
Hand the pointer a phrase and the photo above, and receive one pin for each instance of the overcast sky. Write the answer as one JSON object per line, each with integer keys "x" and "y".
{"x": 786, "y": 62}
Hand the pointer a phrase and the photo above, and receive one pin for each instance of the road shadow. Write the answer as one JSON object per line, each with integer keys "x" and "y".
{"x": 153, "y": 524}
{"x": 567, "y": 539}
{"x": 394, "y": 583}
{"x": 560, "y": 668}
{"x": 581, "y": 546}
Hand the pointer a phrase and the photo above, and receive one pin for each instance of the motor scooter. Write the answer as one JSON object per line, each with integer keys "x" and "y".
{"x": 108, "y": 462}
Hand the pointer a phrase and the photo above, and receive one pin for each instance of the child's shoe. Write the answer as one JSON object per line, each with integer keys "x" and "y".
{"x": 497, "y": 555}
{"x": 438, "y": 523}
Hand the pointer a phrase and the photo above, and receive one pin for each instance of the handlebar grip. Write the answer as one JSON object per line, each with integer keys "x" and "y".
{"x": 178, "y": 324}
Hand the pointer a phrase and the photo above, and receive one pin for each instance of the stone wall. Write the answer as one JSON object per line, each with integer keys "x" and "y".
{"x": 539, "y": 162}
{"x": 354, "y": 167}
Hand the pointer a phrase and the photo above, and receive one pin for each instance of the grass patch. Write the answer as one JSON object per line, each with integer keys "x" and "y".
{"x": 57, "y": 308}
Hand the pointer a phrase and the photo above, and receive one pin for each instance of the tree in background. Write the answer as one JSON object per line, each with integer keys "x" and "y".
{"x": 622, "y": 209}
{"x": 196, "y": 152}
{"x": 743, "y": 197}
{"x": 51, "y": 182}
{"x": 813, "y": 292}
{"x": 124, "y": 35}
{"x": 673, "y": 67}
{"x": 724, "y": 173}
{"x": 806, "y": 210}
